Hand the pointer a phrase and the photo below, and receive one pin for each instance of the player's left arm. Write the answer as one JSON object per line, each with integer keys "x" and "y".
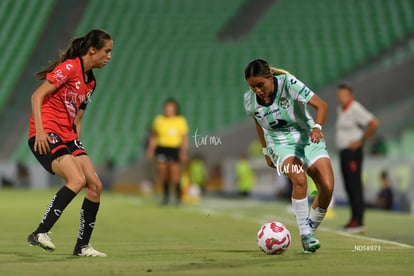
{"x": 184, "y": 142}
{"x": 184, "y": 149}
{"x": 321, "y": 111}
{"x": 78, "y": 122}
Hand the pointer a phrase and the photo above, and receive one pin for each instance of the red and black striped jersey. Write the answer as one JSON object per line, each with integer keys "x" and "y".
{"x": 72, "y": 93}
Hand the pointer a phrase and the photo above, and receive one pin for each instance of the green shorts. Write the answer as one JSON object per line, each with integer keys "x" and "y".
{"x": 307, "y": 153}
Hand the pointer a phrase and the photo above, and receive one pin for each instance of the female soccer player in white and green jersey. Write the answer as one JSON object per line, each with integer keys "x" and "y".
{"x": 292, "y": 140}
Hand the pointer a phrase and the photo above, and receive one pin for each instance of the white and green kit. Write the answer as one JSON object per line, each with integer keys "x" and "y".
{"x": 286, "y": 121}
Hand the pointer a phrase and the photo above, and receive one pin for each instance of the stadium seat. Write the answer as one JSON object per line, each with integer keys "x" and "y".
{"x": 21, "y": 23}
{"x": 169, "y": 49}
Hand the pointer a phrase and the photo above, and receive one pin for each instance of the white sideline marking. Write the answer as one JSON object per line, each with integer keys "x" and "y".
{"x": 342, "y": 233}
{"x": 239, "y": 215}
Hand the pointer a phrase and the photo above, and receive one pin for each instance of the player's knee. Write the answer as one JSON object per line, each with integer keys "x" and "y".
{"x": 98, "y": 187}
{"x": 95, "y": 186}
{"x": 77, "y": 181}
{"x": 299, "y": 181}
{"x": 328, "y": 187}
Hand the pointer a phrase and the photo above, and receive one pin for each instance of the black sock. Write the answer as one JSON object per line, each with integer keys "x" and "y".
{"x": 178, "y": 192}
{"x": 59, "y": 202}
{"x": 166, "y": 187}
{"x": 87, "y": 222}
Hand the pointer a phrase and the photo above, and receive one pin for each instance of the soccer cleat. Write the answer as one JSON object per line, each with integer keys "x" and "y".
{"x": 42, "y": 240}
{"x": 88, "y": 251}
{"x": 354, "y": 226}
{"x": 309, "y": 243}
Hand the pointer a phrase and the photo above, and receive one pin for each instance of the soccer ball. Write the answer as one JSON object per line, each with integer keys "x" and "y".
{"x": 273, "y": 238}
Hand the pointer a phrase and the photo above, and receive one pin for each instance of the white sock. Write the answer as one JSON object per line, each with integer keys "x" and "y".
{"x": 316, "y": 216}
{"x": 301, "y": 209}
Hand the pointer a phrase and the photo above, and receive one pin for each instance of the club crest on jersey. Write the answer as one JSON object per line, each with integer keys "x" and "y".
{"x": 284, "y": 102}
{"x": 54, "y": 138}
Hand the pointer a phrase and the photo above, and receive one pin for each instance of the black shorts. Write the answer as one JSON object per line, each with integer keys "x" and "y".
{"x": 57, "y": 149}
{"x": 165, "y": 154}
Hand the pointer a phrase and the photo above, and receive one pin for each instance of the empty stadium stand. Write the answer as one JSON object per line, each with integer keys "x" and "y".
{"x": 169, "y": 49}
{"x": 21, "y": 23}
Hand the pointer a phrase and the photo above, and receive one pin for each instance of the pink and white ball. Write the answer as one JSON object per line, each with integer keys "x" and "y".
{"x": 273, "y": 238}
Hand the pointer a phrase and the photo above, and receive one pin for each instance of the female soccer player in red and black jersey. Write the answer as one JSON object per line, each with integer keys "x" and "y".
{"x": 55, "y": 127}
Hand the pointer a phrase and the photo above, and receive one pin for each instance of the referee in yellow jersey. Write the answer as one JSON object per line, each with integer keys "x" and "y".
{"x": 168, "y": 144}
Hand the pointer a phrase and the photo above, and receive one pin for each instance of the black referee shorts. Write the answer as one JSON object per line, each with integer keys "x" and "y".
{"x": 166, "y": 154}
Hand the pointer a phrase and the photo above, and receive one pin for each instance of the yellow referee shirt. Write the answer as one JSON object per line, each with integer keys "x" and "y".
{"x": 170, "y": 130}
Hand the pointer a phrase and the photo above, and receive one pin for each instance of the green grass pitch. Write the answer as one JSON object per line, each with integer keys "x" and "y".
{"x": 216, "y": 237}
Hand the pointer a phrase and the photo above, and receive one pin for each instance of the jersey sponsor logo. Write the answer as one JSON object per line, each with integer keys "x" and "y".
{"x": 87, "y": 99}
{"x": 70, "y": 97}
{"x": 49, "y": 208}
{"x": 273, "y": 155}
{"x": 57, "y": 212}
{"x": 69, "y": 66}
{"x": 73, "y": 98}
{"x": 306, "y": 91}
{"x": 278, "y": 124}
{"x": 172, "y": 132}
{"x": 78, "y": 144}
{"x": 59, "y": 76}
{"x": 256, "y": 114}
{"x": 284, "y": 102}
{"x": 270, "y": 112}
{"x": 70, "y": 108}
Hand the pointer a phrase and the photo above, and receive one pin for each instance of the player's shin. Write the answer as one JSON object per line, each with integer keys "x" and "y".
{"x": 178, "y": 192}
{"x": 166, "y": 192}
{"x": 301, "y": 209}
{"x": 316, "y": 216}
{"x": 87, "y": 222}
{"x": 55, "y": 209}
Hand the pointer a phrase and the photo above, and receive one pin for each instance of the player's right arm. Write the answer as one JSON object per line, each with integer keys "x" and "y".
{"x": 153, "y": 141}
{"x": 259, "y": 130}
{"x": 152, "y": 144}
{"x": 41, "y": 141}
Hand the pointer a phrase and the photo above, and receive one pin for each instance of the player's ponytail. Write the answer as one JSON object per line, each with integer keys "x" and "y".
{"x": 260, "y": 68}
{"x": 277, "y": 71}
{"x": 77, "y": 48}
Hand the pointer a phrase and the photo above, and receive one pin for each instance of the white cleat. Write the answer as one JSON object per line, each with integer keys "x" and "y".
{"x": 88, "y": 251}
{"x": 42, "y": 240}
